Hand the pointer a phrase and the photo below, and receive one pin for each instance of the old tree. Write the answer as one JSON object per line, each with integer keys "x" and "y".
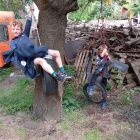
{"x": 51, "y": 26}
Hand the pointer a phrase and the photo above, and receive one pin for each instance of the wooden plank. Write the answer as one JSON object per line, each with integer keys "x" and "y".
{"x": 84, "y": 66}
{"x": 80, "y": 65}
{"x": 136, "y": 67}
{"x": 79, "y": 58}
{"x": 137, "y": 72}
{"x": 85, "y": 61}
{"x": 135, "y": 63}
{"x": 77, "y": 65}
{"x": 80, "y": 72}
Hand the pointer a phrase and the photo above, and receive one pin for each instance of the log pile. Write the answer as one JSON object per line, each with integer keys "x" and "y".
{"x": 123, "y": 43}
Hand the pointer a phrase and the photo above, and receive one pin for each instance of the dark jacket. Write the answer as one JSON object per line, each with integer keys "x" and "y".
{"x": 23, "y": 49}
{"x": 102, "y": 66}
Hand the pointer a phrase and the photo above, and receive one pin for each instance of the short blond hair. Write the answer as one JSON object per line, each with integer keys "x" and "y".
{"x": 101, "y": 48}
{"x": 18, "y": 23}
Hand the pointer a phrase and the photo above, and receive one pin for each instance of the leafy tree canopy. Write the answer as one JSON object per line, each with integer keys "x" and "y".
{"x": 89, "y": 9}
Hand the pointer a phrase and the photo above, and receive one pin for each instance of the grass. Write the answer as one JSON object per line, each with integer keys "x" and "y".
{"x": 4, "y": 72}
{"x": 21, "y": 132}
{"x": 70, "y": 118}
{"x": 93, "y": 135}
{"x": 18, "y": 97}
{"x": 127, "y": 97}
{"x": 2, "y": 126}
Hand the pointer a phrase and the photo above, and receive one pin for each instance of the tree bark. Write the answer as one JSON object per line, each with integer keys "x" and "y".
{"x": 52, "y": 29}
{"x": 51, "y": 26}
{"x": 47, "y": 106}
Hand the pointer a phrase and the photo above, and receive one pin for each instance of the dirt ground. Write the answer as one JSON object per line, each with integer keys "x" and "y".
{"x": 87, "y": 123}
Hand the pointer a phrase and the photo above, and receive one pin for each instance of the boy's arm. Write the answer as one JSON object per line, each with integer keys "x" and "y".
{"x": 27, "y": 27}
{"x": 29, "y": 21}
{"x": 13, "y": 45}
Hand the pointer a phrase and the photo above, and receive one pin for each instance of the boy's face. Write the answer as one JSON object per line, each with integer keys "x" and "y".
{"x": 16, "y": 30}
{"x": 100, "y": 51}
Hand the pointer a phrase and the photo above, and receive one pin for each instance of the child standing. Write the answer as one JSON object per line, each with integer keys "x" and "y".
{"x": 101, "y": 72}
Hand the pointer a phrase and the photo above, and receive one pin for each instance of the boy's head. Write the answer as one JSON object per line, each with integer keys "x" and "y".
{"x": 17, "y": 28}
{"x": 101, "y": 48}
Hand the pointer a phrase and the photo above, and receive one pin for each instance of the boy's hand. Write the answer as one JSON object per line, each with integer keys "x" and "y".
{"x": 31, "y": 10}
{"x": 32, "y": 7}
{"x": 104, "y": 52}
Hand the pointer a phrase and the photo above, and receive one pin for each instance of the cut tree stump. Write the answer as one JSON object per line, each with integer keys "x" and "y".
{"x": 136, "y": 68}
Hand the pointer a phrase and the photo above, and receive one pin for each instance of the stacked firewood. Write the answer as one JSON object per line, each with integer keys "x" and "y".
{"x": 121, "y": 41}
{"x": 123, "y": 44}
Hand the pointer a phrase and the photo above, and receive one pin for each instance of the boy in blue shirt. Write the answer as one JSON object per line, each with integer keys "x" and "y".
{"x": 26, "y": 55}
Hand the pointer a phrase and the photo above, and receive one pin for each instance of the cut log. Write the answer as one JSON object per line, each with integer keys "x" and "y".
{"x": 136, "y": 68}
{"x": 133, "y": 42}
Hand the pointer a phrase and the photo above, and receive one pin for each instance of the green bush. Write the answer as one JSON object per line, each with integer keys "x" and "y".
{"x": 69, "y": 102}
{"x": 91, "y": 10}
{"x": 86, "y": 9}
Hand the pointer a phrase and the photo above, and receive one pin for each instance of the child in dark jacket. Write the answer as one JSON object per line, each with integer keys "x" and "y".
{"x": 26, "y": 55}
{"x": 100, "y": 72}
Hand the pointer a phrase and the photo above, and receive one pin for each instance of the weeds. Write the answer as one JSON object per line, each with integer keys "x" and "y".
{"x": 69, "y": 102}
{"x": 70, "y": 70}
{"x": 131, "y": 98}
{"x": 126, "y": 98}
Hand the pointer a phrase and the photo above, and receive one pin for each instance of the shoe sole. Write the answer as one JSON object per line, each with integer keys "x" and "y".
{"x": 66, "y": 78}
{"x": 90, "y": 95}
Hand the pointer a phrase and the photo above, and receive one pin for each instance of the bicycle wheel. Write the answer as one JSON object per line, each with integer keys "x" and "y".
{"x": 97, "y": 97}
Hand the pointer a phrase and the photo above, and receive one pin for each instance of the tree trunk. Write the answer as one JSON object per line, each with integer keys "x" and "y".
{"x": 51, "y": 27}
{"x": 52, "y": 32}
{"x": 47, "y": 106}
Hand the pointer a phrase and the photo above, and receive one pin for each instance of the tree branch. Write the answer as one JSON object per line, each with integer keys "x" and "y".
{"x": 41, "y": 4}
{"x": 63, "y": 6}
{"x": 71, "y": 5}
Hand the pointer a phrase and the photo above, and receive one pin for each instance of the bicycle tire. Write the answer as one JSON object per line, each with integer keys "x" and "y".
{"x": 97, "y": 95}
